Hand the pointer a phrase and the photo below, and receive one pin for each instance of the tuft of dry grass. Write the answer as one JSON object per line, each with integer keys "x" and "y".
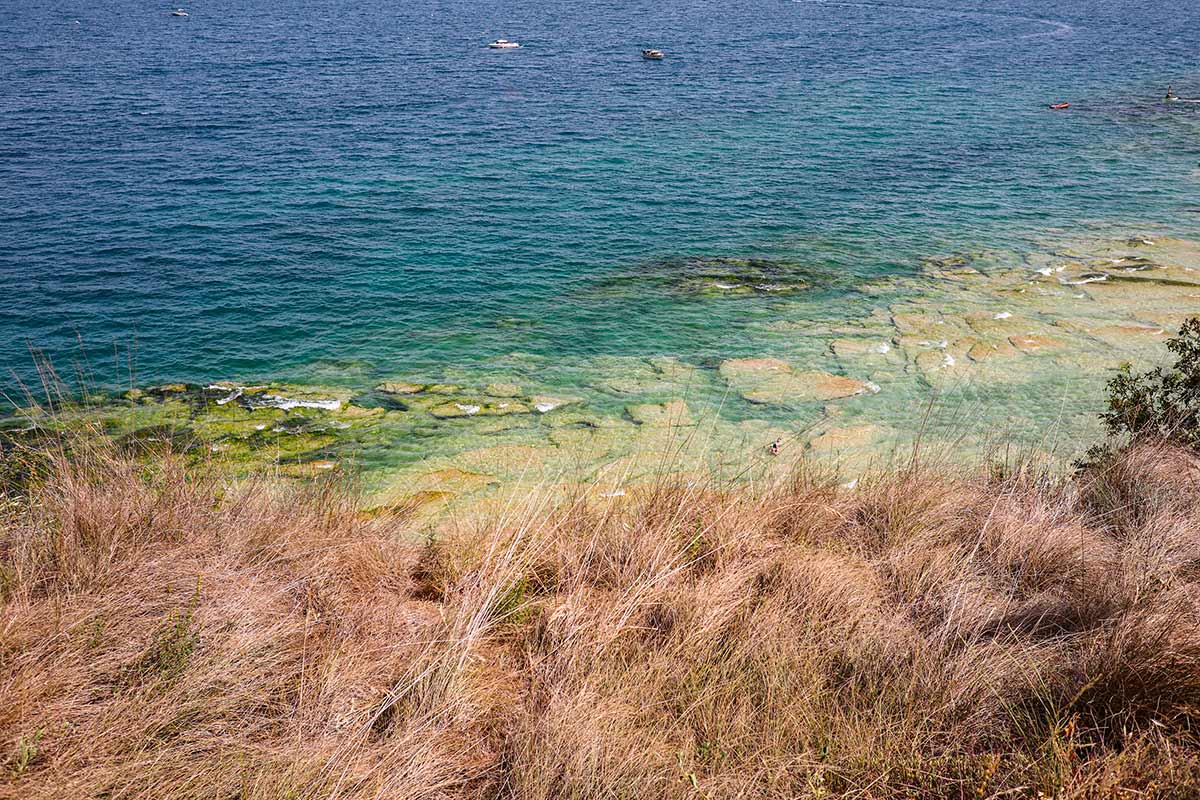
{"x": 166, "y": 633}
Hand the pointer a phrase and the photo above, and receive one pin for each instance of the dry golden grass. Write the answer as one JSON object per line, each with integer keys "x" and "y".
{"x": 167, "y": 634}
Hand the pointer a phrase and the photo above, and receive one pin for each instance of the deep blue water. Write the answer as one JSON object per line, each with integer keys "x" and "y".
{"x": 359, "y": 189}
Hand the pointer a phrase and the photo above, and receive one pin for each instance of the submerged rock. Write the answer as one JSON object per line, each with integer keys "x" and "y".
{"x": 984, "y": 350}
{"x": 845, "y": 348}
{"x": 770, "y": 381}
{"x": 715, "y": 276}
{"x": 655, "y": 376}
{"x": 400, "y": 387}
{"x": 544, "y": 403}
{"x": 671, "y": 413}
{"x": 852, "y": 437}
{"x": 471, "y": 408}
{"x": 1034, "y": 343}
{"x": 503, "y": 390}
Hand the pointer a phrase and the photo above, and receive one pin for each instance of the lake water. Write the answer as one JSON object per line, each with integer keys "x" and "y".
{"x": 344, "y": 193}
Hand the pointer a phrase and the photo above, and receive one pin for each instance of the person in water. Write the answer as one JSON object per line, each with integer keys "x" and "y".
{"x": 1171, "y": 94}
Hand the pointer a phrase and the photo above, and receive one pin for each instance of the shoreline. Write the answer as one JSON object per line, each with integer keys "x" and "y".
{"x": 973, "y": 349}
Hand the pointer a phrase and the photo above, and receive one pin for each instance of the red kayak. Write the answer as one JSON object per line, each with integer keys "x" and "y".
{"x": 1060, "y": 106}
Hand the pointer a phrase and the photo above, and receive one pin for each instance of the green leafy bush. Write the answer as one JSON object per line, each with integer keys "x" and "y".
{"x": 1162, "y": 403}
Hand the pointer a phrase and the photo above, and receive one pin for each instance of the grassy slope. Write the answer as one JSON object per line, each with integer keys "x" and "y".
{"x": 165, "y": 634}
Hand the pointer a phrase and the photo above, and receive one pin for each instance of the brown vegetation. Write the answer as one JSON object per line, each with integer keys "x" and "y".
{"x": 165, "y": 633}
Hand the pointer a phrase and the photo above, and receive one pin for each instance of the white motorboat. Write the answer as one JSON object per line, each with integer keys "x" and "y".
{"x": 653, "y": 55}
{"x": 504, "y": 44}
{"x": 179, "y": 12}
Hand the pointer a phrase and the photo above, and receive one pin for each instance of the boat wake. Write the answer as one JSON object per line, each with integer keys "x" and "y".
{"x": 1055, "y": 27}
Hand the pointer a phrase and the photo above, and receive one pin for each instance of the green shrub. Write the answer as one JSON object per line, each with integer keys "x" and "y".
{"x": 25, "y": 755}
{"x": 1162, "y": 403}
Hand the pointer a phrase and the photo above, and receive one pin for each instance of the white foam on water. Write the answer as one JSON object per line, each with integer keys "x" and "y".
{"x": 234, "y": 395}
{"x": 287, "y": 403}
{"x": 470, "y": 411}
{"x": 543, "y": 408}
{"x": 727, "y": 285}
{"x": 1086, "y": 279}
{"x": 882, "y": 348}
{"x": 1002, "y": 315}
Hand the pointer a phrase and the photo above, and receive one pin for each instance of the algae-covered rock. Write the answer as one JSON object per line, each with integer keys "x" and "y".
{"x": 671, "y": 413}
{"x": 770, "y": 381}
{"x": 1035, "y": 343}
{"x": 513, "y": 460}
{"x": 671, "y": 368}
{"x": 741, "y": 368}
{"x": 452, "y": 479}
{"x": 716, "y": 276}
{"x": 572, "y": 418}
{"x": 985, "y": 350}
{"x": 933, "y": 361}
{"x": 503, "y": 390}
{"x": 656, "y": 376}
{"x": 308, "y": 469}
{"x": 455, "y": 410}
{"x": 849, "y": 348}
{"x": 851, "y": 437}
{"x": 545, "y": 403}
{"x": 400, "y": 387}
{"x": 471, "y": 408}
{"x": 418, "y": 504}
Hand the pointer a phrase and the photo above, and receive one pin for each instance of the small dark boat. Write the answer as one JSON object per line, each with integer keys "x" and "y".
{"x": 1060, "y": 106}
{"x": 653, "y": 55}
